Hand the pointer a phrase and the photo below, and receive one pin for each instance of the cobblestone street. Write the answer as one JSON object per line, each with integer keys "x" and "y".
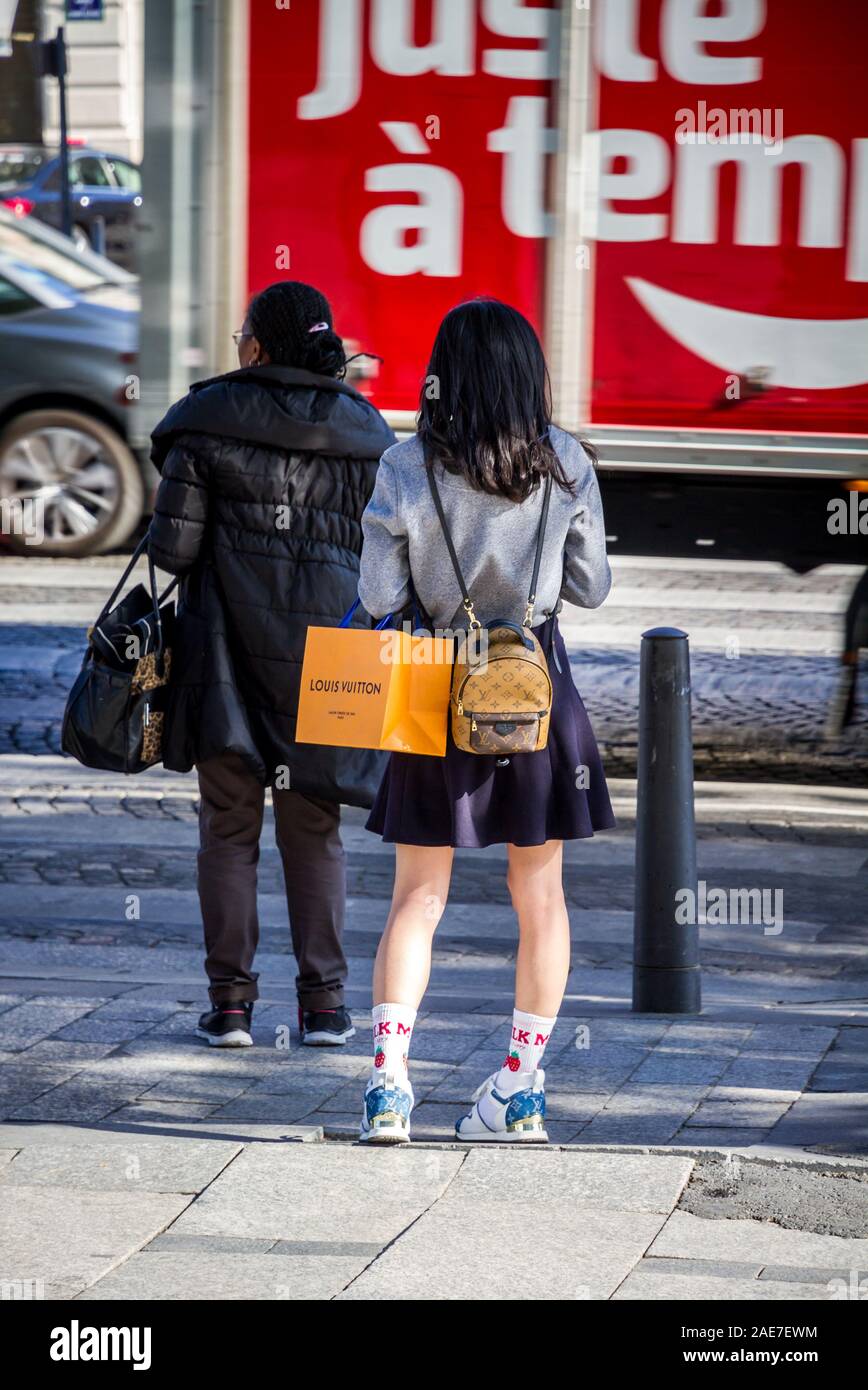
{"x": 764, "y": 659}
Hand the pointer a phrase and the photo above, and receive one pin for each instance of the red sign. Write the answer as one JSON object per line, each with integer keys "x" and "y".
{"x": 397, "y": 161}
{"x": 732, "y": 263}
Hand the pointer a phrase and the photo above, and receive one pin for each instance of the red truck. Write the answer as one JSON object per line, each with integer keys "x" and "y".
{"x": 674, "y": 191}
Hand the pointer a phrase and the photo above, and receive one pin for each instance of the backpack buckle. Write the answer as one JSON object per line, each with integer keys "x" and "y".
{"x": 467, "y": 605}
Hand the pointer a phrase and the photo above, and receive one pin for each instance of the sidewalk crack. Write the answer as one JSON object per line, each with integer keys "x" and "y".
{"x": 404, "y": 1231}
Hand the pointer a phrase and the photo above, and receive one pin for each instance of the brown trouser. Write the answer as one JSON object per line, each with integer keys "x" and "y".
{"x": 308, "y": 837}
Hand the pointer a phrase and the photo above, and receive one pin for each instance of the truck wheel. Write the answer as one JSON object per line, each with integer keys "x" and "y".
{"x": 68, "y": 485}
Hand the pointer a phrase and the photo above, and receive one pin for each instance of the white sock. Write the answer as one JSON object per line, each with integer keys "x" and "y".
{"x": 530, "y": 1033}
{"x": 392, "y": 1030}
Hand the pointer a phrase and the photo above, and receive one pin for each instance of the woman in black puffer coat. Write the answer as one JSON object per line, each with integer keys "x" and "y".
{"x": 266, "y": 472}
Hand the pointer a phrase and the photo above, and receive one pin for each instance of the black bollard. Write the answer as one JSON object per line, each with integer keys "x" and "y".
{"x": 666, "y": 974}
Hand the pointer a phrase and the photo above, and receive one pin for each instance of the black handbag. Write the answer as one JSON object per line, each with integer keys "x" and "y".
{"x": 115, "y": 710}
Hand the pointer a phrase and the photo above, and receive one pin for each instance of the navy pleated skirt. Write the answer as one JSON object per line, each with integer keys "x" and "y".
{"x": 470, "y": 800}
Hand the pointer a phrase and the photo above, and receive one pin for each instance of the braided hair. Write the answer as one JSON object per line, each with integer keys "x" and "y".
{"x": 282, "y": 317}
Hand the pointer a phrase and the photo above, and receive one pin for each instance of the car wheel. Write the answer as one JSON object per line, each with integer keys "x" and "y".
{"x": 68, "y": 483}
{"x": 80, "y": 238}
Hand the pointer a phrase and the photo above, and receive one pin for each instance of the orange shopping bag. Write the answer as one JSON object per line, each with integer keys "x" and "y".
{"x": 363, "y": 688}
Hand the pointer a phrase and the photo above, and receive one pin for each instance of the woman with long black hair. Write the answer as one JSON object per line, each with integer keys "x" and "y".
{"x": 504, "y": 475}
{"x": 265, "y": 474}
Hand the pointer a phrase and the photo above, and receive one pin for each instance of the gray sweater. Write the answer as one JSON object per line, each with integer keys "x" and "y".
{"x": 494, "y": 538}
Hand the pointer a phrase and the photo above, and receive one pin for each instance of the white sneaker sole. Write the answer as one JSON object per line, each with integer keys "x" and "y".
{"x": 388, "y": 1133}
{"x": 237, "y": 1038}
{"x": 327, "y": 1039}
{"x": 533, "y": 1134}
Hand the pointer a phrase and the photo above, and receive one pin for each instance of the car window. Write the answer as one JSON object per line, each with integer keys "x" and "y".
{"x": 19, "y": 166}
{"x": 88, "y": 172}
{"x": 127, "y": 175}
{"x": 13, "y": 300}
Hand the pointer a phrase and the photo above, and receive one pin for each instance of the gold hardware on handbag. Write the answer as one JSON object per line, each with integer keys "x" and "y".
{"x": 502, "y": 694}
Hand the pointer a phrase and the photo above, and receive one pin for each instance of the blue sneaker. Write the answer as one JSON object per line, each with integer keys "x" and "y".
{"x": 499, "y": 1119}
{"x": 386, "y": 1116}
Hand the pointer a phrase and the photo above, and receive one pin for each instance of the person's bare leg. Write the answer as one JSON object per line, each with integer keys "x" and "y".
{"x": 535, "y": 879}
{"x": 403, "y": 962}
{"x": 401, "y": 973}
{"x": 510, "y": 1105}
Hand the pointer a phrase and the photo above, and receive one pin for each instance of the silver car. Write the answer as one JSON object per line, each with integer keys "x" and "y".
{"x": 68, "y": 354}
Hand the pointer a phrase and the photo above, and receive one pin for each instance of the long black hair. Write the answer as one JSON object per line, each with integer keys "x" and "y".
{"x": 485, "y": 406}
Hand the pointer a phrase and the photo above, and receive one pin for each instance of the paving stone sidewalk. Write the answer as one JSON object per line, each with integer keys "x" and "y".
{"x": 122, "y": 1212}
{"x": 135, "y": 1158}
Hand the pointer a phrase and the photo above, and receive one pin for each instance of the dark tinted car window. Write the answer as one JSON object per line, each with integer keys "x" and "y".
{"x": 88, "y": 172}
{"x": 19, "y": 166}
{"x": 12, "y": 299}
{"x": 127, "y": 175}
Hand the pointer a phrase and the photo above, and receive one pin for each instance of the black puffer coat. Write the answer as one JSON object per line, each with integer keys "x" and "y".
{"x": 265, "y": 474}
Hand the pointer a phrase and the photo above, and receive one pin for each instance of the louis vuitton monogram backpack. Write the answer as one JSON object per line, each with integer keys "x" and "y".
{"x": 501, "y": 689}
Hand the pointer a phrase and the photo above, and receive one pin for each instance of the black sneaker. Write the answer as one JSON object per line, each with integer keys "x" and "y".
{"x": 227, "y": 1025}
{"x": 325, "y": 1027}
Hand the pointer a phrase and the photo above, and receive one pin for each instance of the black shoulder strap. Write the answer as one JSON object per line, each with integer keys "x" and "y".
{"x": 123, "y": 579}
{"x": 447, "y": 534}
{"x": 438, "y": 503}
{"x": 531, "y": 598}
{"x": 156, "y": 598}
